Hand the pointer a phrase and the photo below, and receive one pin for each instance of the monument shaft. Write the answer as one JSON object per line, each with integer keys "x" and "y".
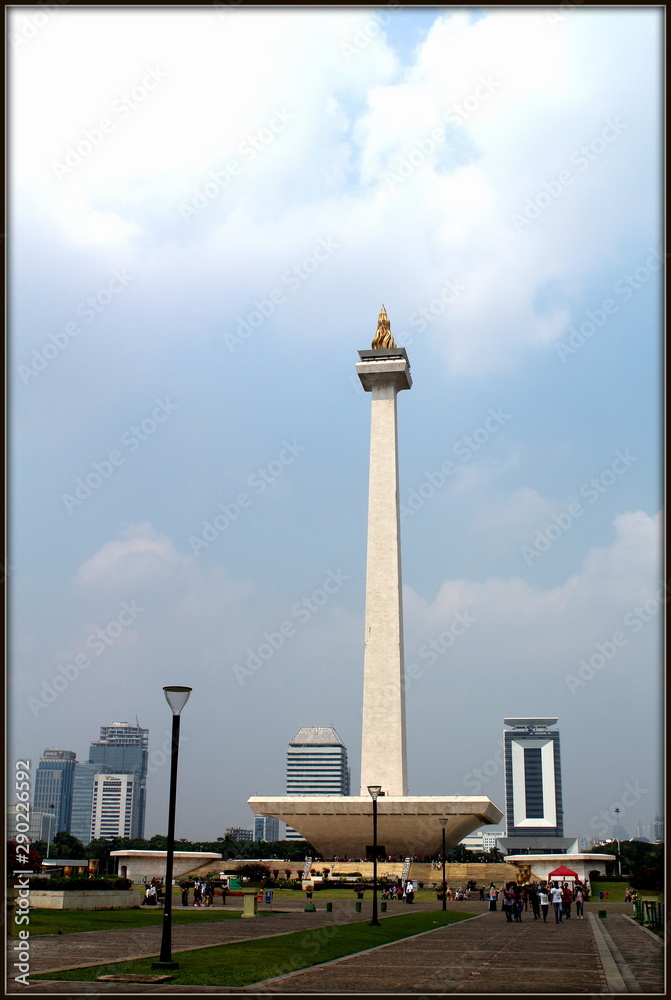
{"x": 383, "y": 373}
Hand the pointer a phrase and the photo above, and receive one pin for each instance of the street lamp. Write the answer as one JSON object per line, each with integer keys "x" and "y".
{"x": 177, "y": 698}
{"x": 374, "y": 791}
{"x": 617, "y": 840}
{"x": 51, "y": 806}
{"x": 443, "y": 823}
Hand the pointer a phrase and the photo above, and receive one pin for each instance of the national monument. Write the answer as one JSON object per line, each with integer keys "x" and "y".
{"x": 407, "y": 825}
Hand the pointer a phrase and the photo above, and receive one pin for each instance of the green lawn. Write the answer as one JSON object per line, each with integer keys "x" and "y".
{"x": 254, "y": 961}
{"x": 616, "y": 892}
{"x": 73, "y": 921}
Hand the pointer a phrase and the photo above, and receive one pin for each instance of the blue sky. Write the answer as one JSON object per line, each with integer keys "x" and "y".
{"x": 208, "y": 209}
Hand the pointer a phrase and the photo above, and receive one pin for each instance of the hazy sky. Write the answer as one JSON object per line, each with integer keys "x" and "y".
{"x": 208, "y": 208}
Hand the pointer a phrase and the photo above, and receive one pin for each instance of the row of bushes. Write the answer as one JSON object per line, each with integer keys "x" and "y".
{"x": 76, "y": 884}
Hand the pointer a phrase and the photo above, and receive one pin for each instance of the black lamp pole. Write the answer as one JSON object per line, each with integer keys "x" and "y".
{"x": 374, "y": 791}
{"x": 177, "y": 698}
{"x": 443, "y": 823}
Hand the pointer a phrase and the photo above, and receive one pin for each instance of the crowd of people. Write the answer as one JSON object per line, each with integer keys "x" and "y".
{"x": 516, "y": 899}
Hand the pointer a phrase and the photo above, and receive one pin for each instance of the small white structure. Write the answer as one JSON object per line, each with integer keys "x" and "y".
{"x": 542, "y": 864}
{"x": 151, "y": 864}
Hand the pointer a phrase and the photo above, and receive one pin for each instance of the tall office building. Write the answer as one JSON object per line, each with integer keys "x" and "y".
{"x": 534, "y": 811}
{"x": 121, "y": 750}
{"x": 266, "y": 828}
{"x": 113, "y": 806}
{"x": 82, "y": 800}
{"x": 316, "y": 765}
{"x": 237, "y": 833}
{"x": 54, "y": 780}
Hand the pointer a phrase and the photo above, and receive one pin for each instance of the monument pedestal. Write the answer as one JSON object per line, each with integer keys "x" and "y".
{"x": 407, "y": 825}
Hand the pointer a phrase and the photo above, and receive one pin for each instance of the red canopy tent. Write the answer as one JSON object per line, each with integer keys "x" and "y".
{"x": 563, "y": 872}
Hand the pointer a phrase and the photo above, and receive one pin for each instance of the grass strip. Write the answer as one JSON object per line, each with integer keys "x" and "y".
{"x": 76, "y": 921}
{"x": 242, "y": 964}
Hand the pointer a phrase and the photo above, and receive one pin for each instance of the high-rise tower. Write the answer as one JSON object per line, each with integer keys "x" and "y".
{"x": 123, "y": 749}
{"x": 54, "y": 781}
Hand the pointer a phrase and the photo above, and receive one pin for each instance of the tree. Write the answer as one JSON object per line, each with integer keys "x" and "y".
{"x": 16, "y": 857}
{"x": 459, "y": 855}
{"x": 68, "y": 848}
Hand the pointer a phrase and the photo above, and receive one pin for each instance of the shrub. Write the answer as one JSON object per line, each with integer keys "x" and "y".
{"x": 75, "y": 884}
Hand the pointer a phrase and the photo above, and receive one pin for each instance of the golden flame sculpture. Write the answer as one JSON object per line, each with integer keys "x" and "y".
{"x": 383, "y": 339}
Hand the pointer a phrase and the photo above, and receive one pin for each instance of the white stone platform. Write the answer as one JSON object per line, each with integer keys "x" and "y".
{"x": 406, "y": 825}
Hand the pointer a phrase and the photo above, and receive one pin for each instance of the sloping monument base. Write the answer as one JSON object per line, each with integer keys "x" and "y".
{"x": 406, "y": 826}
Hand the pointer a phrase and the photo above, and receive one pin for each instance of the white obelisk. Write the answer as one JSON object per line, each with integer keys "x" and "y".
{"x": 384, "y": 371}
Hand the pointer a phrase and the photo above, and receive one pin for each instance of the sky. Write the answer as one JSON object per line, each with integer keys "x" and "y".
{"x": 207, "y": 209}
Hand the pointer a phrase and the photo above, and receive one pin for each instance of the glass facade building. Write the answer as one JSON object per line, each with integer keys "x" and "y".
{"x": 266, "y": 828}
{"x": 54, "y": 780}
{"x": 122, "y": 750}
{"x": 316, "y": 765}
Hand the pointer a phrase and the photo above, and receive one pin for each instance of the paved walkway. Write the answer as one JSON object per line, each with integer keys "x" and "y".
{"x": 484, "y": 955}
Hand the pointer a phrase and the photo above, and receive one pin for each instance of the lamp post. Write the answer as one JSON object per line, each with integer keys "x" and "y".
{"x": 617, "y": 840}
{"x": 177, "y": 698}
{"x": 443, "y": 823}
{"x": 51, "y": 806}
{"x": 374, "y": 791}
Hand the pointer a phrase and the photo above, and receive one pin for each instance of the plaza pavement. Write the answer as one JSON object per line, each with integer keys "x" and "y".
{"x": 479, "y": 956}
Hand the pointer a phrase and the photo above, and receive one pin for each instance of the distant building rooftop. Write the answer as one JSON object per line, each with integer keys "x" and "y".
{"x": 319, "y": 736}
{"x": 531, "y": 723}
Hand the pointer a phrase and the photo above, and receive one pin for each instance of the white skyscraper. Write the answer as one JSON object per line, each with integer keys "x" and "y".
{"x": 114, "y": 804}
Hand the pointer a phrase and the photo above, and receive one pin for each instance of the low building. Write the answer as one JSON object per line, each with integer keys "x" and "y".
{"x": 540, "y": 865}
{"x": 139, "y": 865}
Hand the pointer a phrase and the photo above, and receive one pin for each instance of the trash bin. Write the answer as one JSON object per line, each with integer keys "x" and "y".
{"x": 357, "y": 906}
{"x": 603, "y": 914}
{"x": 268, "y": 896}
{"x": 600, "y": 895}
{"x": 309, "y": 907}
{"x": 383, "y": 906}
{"x": 329, "y": 907}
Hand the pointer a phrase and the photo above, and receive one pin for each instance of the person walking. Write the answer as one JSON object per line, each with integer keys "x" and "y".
{"x": 556, "y": 897}
{"x": 409, "y": 891}
{"x": 532, "y": 894}
{"x": 493, "y": 896}
{"x": 579, "y": 903}
{"x": 184, "y": 886}
{"x": 507, "y": 902}
{"x": 567, "y": 899}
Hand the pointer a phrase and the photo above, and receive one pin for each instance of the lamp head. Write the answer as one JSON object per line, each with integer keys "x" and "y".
{"x": 374, "y": 791}
{"x": 443, "y": 822}
{"x": 177, "y": 697}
